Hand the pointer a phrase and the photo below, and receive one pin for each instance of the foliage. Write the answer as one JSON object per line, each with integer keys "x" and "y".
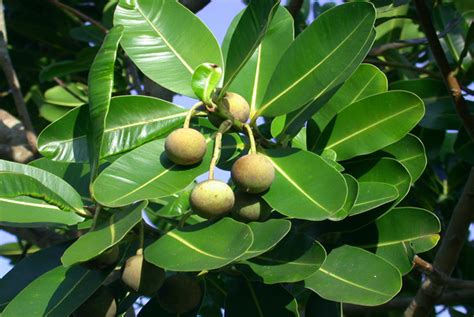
{"x": 368, "y": 161}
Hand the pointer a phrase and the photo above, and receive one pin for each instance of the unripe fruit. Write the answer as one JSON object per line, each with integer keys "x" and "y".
{"x": 185, "y": 146}
{"x": 253, "y": 173}
{"x": 180, "y": 294}
{"x": 236, "y": 105}
{"x": 105, "y": 259}
{"x": 100, "y": 304}
{"x": 211, "y": 199}
{"x": 142, "y": 276}
{"x": 250, "y": 207}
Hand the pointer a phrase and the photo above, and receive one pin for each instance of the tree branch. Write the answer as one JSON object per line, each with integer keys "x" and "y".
{"x": 447, "y": 256}
{"x": 443, "y": 64}
{"x": 78, "y": 14}
{"x": 379, "y": 62}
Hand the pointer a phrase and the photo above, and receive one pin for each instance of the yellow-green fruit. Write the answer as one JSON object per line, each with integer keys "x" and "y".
{"x": 250, "y": 207}
{"x": 236, "y": 105}
{"x": 142, "y": 276}
{"x": 100, "y": 304}
{"x": 107, "y": 258}
{"x": 211, "y": 199}
{"x": 253, "y": 173}
{"x": 185, "y": 146}
{"x": 180, "y": 294}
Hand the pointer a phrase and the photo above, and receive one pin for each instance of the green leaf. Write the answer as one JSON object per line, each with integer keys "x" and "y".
{"x": 252, "y": 80}
{"x": 372, "y": 195}
{"x": 52, "y": 112}
{"x": 205, "y": 79}
{"x": 106, "y": 234}
{"x": 319, "y": 307}
{"x": 131, "y": 121}
{"x": 72, "y": 95}
{"x": 353, "y": 275}
{"x": 352, "y": 194}
{"x": 371, "y": 124}
{"x": 122, "y": 183}
{"x": 166, "y": 41}
{"x": 178, "y": 204}
{"x": 298, "y": 175}
{"x": 27, "y": 270}
{"x": 256, "y": 299}
{"x": 399, "y": 234}
{"x": 318, "y": 55}
{"x": 265, "y": 236}
{"x": 248, "y": 34}
{"x": 29, "y": 212}
{"x": 23, "y": 180}
{"x": 464, "y": 147}
{"x": 101, "y": 83}
{"x": 367, "y": 80}
{"x": 56, "y": 293}
{"x": 204, "y": 246}
{"x": 409, "y": 151}
{"x": 293, "y": 259}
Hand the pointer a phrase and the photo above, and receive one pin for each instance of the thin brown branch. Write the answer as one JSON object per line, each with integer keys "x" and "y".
{"x": 440, "y": 277}
{"x": 448, "y": 254}
{"x": 65, "y": 87}
{"x": 443, "y": 64}
{"x": 457, "y": 297}
{"x": 14, "y": 84}
{"x": 379, "y": 62}
{"x": 294, "y": 7}
{"x": 78, "y": 14}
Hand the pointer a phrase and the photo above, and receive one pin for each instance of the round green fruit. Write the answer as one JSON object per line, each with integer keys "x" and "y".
{"x": 180, "y": 294}
{"x": 142, "y": 276}
{"x": 185, "y": 146}
{"x": 250, "y": 207}
{"x": 211, "y": 199}
{"x": 100, "y": 304}
{"x": 253, "y": 173}
{"x": 105, "y": 259}
{"x": 235, "y": 105}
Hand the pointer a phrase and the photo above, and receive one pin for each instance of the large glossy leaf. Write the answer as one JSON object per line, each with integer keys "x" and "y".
{"x": 166, "y": 41}
{"x": 318, "y": 55}
{"x": 365, "y": 81}
{"x": 372, "y": 195}
{"x": 247, "y": 36}
{"x": 57, "y": 293}
{"x": 409, "y": 151}
{"x": 295, "y": 258}
{"x": 371, "y": 124}
{"x": 122, "y": 183}
{"x": 203, "y": 246}
{"x": 312, "y": 189}
{"x": 101, "y": 83}
{"x": 106, "y": 234}
{"x": 252, "y": 80}
{"x": 131, "y": 121}
{"x": 30, "y": 212}
{"x": 34, "y": 182}
{"x": 353, "y": 275}
{"x": 352, "y": 194}
{"x": 398, "y": 235}
{"x": 256, "y": 299}
{"x": 265, "y": 236}
{"x": 27, "y": 270}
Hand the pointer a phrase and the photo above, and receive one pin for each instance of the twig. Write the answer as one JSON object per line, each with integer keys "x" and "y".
{"x": 12, "y": 78}
{"x": 402, "y": 65}
{"x": 224, "y": 127}
{"x": 78, "y": 14}
{"x": 190, "y": 114}
{"x": 443, "y": 64}
{"x": 253, "y": 147}
{"x": 65, "y": 87}
{"x": 294, "y": 7}
{"x": 447, "y": 255}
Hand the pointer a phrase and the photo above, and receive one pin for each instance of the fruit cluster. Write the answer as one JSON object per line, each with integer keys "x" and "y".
{"x": 252, "y": 174}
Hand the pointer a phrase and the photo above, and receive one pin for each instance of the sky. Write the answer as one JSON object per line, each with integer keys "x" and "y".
{"x": 218, "y": 16}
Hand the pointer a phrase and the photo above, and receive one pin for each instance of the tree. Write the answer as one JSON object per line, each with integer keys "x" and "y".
{"x": 349, "y": 141}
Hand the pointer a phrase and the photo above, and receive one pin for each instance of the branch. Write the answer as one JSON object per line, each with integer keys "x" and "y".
{"x": 379, "y": 62}
{"x": 79, "y": 14}
{"x": 448, "y": 253}
{"x": 294, "y": 7}
{"x": 443, "y": 64}
{"x": 399, "y": 303}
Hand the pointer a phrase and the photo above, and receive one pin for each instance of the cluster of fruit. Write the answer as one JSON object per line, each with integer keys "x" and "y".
{"x": 252, "y": 173}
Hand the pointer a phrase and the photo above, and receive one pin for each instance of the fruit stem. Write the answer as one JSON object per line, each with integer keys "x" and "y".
{"x": 226, "y": 125}
{"x": 187, "y": 121}
{"x": 253, "y": 147}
